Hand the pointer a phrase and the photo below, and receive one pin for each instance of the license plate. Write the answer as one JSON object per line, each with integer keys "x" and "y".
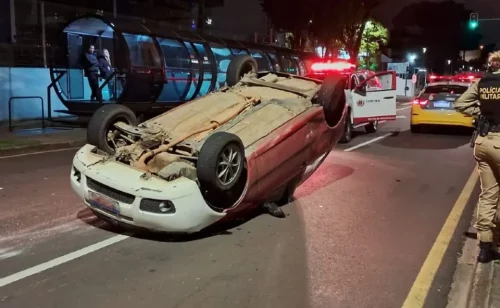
{"x": 103, "y": 202}
{"x": 442, "y": 104}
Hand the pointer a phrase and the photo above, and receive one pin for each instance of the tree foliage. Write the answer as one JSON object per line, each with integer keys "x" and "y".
{"x": 332, "y": 23}
{"x": 374, "y": 37}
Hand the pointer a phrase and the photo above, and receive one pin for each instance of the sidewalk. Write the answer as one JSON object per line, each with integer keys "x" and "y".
{"x": 475, "y": 284}
{"x": 485, "y": 291}
{"x": 37, "y": 140}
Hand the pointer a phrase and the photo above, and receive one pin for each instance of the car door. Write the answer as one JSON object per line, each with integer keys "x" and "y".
{"x": 374, "y": 99}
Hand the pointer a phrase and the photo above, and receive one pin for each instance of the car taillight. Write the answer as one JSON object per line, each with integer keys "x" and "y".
{"x": 420, "y": 102}
{"x": 433, "y": 77}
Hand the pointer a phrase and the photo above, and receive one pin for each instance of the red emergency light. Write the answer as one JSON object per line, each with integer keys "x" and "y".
{"x": 332, "y": 66}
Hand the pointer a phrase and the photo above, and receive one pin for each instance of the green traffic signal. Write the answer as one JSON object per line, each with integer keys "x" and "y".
{"x": 473, "y": 25}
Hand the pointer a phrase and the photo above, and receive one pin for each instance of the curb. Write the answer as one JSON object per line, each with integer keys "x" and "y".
{"x": 30, "y": 149}
{"x": 464, "y": 278}
{"x": 481, "y": 287}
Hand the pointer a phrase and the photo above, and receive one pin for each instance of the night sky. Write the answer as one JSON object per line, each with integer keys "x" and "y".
{"x": 485, "y": 8}
{"x": 246, "y": 16}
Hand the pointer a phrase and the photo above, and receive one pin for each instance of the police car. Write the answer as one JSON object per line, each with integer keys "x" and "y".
{"x": 371, "y": 96}
{"x": 435, "y": 106}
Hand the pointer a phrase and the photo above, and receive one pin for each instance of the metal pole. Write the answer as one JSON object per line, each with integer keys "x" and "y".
{"x": 44, "y": 43}
{"x": 12, "y": 21}
{"x": 201, "y": 13}
{"x": 115, "y": 9}
{"x": 406, "y": 76}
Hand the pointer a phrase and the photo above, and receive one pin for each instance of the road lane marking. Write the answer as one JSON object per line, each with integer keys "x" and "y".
{"x": 420, "y": 289}
{"x": 403, "y": 108}
{"x": 61, "y": 260}
{"x": 36, "y": 153}
{"x": 377, "y": 138}
{"x": 362, "y": 144}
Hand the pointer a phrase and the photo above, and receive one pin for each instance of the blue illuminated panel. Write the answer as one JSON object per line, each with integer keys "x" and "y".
{"x": 180, "y": 74}
{"x": 223, "y": 57}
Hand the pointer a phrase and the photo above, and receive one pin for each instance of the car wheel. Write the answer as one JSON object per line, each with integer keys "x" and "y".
{"x": 416, "y": 129}
{"x": 238, "y": 67}
{"x": 371, "y": 127}
{"x": 331, "y": 96}
{"x": 101, "y": 125}
{"x": 221, "y": 161}
{"x": 347, "y": 136}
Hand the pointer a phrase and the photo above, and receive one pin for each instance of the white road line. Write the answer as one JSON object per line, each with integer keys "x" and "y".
{"x": 377, "y": 138}
{"x": 61, "y": 260}
{"x": 367, "y": 142}
{"x": 36, "y": 153}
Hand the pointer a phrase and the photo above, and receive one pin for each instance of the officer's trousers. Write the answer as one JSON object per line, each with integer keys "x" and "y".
{"x": 487, "y": 155}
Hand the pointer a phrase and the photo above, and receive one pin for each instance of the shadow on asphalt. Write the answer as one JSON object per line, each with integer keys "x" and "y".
{"x": 222, "y": 228}
{"x": 326, "y": 174}
{"x": 432, "y": 138}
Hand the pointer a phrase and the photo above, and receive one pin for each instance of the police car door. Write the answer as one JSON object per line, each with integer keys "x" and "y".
{"x": 374, "y": 99}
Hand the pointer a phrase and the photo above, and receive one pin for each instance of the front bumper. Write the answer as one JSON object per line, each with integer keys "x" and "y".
{"x": 421, "y": 116}
{"x": 136, "y": 196}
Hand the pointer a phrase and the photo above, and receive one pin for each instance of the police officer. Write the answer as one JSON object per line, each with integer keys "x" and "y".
{"x": 483, "y": 98}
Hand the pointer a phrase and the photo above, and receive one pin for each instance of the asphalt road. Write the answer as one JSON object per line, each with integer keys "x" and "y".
{"x": 356, "y": 236}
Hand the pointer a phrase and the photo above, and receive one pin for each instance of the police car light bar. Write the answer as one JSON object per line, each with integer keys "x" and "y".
{"x": 332, "y": 66}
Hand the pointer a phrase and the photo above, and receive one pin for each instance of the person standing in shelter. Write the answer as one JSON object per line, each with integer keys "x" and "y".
{"x": 91, "y": 67}
{"x": 106, "y": 71}
{"x": 483, "y": 99}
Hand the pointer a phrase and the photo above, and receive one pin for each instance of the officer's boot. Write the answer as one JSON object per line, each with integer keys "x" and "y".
{"x": 487, "y": 252}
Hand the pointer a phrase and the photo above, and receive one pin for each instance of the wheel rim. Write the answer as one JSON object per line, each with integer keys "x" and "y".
{"x": 229, "y": 165}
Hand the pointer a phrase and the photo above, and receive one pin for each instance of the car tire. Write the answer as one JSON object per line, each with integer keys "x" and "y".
{"x": 371, "y": 127}
{"x": 238, "y": 67}
{"x": 103, "y": 120}
{"x": 347, "y": 135}
{"x": 331, "y": 96}
{"x": 416, "y": 129}
{"x": 210, "y": 164}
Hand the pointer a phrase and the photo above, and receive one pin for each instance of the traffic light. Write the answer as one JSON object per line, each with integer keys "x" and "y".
{"x": 473, "y": 21}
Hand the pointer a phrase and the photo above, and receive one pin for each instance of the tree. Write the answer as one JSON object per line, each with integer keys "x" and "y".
{"x": 374, "y": 37}
{"x": 355, "y": 15}
{"x": 333, "y": 23}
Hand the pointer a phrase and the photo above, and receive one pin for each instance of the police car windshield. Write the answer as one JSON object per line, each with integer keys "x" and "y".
{"x": 451, "y": 89}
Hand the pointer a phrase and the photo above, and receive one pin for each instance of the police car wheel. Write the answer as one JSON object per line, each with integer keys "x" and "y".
{"x": 347, "y": 135}
{"x": 371, "y": 127}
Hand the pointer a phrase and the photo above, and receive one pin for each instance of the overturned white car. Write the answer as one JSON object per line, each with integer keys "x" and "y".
{"x": 246, "y": 144}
